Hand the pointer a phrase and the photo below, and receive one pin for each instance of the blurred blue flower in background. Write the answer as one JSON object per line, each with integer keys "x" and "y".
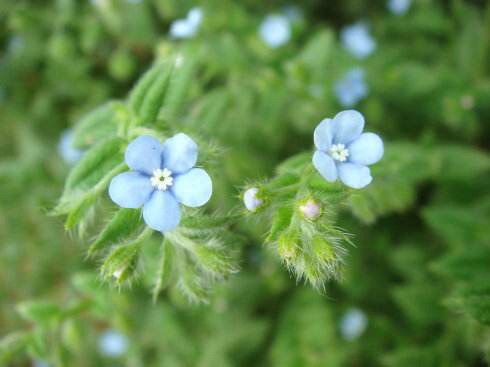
{"x": 357, "y": 40}
{"x": 188, "y": 27}
{"x": 343, "y": 152}
{"x": 66, "y": 150}
{"x": 113, "y": 343}
{"x": 275, "y": 30}
{"x": 163, "y": 176}
{"x": 353, "y": 324}
{"x": 351, "y": 88}
{"x": 399, "y": 7}
{"x": 293, "y": 13}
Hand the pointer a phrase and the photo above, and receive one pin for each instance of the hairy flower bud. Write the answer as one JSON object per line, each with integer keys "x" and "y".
{"x": 252, "y": 202}
{"x": 310, "y": 209}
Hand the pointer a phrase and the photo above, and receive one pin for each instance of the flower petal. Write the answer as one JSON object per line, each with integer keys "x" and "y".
{"x": 162, "y": 211}
{"x": 193, "y": 188}
{"x": 348, "y": 126}
{"x": 323, "y": 135}
{"x": 144, "y": 154}
{"x": 325, "y": 165}
{"x": 354, "y": 175}
{"x": 179, "y": 153}
{"x": 367, "y": 149}
{"x": 130, "y": 189}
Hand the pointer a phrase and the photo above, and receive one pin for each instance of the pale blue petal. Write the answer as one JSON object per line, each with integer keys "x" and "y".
{"x": 354, "y": 175}
{"x": 130, "y": 189}
{"x": 275, "y": 30}
{"x": 68, "y": 152}
{"x": 348, "y": 126}
{"x": 366, "y": 150}
{"x": 323, "y": 135}
{"x": 325, "y": 165}
{"x": 144, "y": 154}
{"x": 179, "y": 153}
{"x": 162, "y": 211}
{"x": 193, "y": 188}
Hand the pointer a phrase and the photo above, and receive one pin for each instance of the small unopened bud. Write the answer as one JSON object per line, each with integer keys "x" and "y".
{"x": 118, "y": 273}
{"x": 310, "y": 209}
{"x": 252, "y": 202}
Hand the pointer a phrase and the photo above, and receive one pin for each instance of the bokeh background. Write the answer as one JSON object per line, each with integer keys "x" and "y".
{"x": 415, "y": 288}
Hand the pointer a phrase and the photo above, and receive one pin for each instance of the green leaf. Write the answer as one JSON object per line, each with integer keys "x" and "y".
{"x": 154, "y": 98}
{"x": 99, "y": 124}
{"x": 457, "y": 162}
{"x": 123, "y": 223}
{"x": 41, "y": 312}
{"x": 95, "y": 164}
{"x": 13, "y": 344}
{"x": 180, "y": 84}
{"x": 138, "y": 93}
{"x": 295, "y": 163}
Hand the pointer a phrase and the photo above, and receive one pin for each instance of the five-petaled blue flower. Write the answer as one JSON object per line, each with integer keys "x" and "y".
{"x": 163, "y": 176}
{"x": 344, "y": 152}
{"x": 351, "y": 88}
{"x": 357, "y": 40}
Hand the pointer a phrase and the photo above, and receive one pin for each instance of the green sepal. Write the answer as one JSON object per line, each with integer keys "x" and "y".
{"x": 165, "y": 266}
{"x": 280, "y": 222}
{"x": 122, "y": 224}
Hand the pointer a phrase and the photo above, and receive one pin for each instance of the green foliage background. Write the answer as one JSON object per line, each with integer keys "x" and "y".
{"x": 420, "y": 261}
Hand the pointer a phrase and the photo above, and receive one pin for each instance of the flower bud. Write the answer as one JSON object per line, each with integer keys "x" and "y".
{"x": 310, "y": 209}
{"x": 252, "y": 202}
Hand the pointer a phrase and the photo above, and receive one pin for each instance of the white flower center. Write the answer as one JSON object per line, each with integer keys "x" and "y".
{"x": 339, "y": 152}
{"x": 162, "y": 179}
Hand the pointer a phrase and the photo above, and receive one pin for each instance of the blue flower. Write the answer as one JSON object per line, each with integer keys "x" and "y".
{"x": 353, "y": 324}
{"x": 275, "y": 30}
{"x": 163, "y": 176}
{"x": 357, "y": 40}
{"x": 343, "y": 152}
{"x": 399, "y": 7}
{"x": 113, "y": 343}
{"x": 351, "y": 88}
{"x": 188, "y": 27}
{"x": 66, "y": 150}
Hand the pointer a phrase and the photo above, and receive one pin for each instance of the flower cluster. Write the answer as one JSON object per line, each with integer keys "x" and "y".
{"x": 344, "y": 152}
{"x": 163, "y": 176}
{"x": 351, "y": 88}
{"x": 187, "y": 27}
